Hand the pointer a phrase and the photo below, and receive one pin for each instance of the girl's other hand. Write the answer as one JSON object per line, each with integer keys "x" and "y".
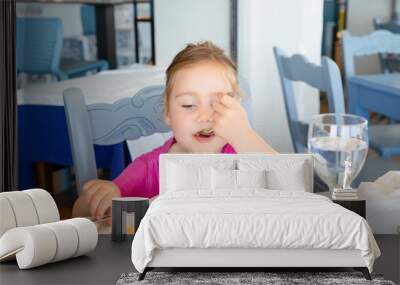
{"x": 230, "y": 118}
{"x": 96, "y": 199}
{"x": 100, "y": 194}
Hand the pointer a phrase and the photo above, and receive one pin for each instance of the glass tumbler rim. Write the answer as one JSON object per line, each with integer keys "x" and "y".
{"x": 362, "y": 121}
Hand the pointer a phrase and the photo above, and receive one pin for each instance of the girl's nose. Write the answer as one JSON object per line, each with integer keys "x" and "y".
{"x": 205, "y": 114}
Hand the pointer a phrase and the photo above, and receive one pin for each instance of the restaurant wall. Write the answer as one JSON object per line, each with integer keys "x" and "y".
{"x": 294, "y": 26}
{"x": 178, "y": 22}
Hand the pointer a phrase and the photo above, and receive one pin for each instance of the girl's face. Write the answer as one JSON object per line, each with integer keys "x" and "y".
{"x": 190, "y": 109}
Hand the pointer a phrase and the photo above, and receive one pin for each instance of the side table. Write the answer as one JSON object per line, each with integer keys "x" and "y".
{"x": 357, "y": 206}
{"x": 127, "y": 213}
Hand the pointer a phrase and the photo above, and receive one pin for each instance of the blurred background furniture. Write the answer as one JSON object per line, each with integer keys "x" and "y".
{"x": 389, "y": 62}
{"x": 329, "y": 28}
{"x": 326, "y": 78}
{"x": 379, "y": 93}
{"x": 149, "y": 19}
{"x": 105, "y": 26}
{"x": 39, "y": 45}
{"x": 76, "y": 67}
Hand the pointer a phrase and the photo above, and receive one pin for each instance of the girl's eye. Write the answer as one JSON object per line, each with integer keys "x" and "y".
{"x": 188, "y": 106}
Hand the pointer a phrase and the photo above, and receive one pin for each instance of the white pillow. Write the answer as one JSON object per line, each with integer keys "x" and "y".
{"x": 185, "y": 177}
{"x": 223, "y": 179}
{"x": 294, "y": 180}
{"x": 237, "y": 179}
{"x": 251, "y": 178}
{"x": 282, "y": 173}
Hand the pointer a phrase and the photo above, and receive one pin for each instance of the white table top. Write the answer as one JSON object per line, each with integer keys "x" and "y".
{"x": 104, "y": 87}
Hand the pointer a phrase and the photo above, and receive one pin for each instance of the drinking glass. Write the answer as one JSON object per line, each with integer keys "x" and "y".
{"x": 339, "y": 143}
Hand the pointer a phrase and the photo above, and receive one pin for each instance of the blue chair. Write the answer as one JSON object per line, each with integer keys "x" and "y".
{"x": 39, "y": 46}
{"x": 108, "y": 124}
{"x": 389, "y": 62}
{"x": 385, "y": 139}
{"x": 88, "y": 18}
{"x": 326, "y": 78}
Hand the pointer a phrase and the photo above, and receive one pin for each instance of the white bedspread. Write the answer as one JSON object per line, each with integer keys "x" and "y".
{"x": 250, "y": 219}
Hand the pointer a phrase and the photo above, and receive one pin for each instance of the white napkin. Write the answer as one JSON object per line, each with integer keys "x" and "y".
{"x": 383, "y": 203}
{"x": 387, "y": 185}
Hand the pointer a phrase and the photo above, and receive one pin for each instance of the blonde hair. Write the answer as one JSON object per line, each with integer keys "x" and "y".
{"x": 194, "y": 54}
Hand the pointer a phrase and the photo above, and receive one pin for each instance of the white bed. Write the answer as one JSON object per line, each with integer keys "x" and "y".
{"x": 214, "y": 210}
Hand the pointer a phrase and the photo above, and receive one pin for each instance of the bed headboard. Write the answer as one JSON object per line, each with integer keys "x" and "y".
{"x": 240, "y": 161}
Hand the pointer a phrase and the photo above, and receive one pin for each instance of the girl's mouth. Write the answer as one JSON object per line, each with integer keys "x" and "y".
{"x": 204, "y": 135}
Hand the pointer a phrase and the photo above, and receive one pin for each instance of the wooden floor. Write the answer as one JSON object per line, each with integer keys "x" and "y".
{"x": 388, "y": 263}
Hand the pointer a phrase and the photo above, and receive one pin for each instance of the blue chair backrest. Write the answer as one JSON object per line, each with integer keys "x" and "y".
{"x": 88, "y": 17}
{"x": 108, "y": 124}
{"x": 389, "y": 64}
{"x": 39, "y": 45}
{"x": 324, "y": 77}
{"x": 381, "y": 41}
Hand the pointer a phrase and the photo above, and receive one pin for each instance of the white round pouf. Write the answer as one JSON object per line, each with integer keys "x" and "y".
{"x": 6, "y": 216}
{"x": 45, "y": 205}
{"x": 38, "y": 243}
{"x": 23, "y": 208}
{"x": 87, "y": 234}
{"x": 67, "y": 240}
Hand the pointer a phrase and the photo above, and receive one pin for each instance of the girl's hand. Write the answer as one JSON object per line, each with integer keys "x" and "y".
{"x": 231, "y": 124}
{"x": 96, "y": 199}
{"x": 230, "y": 119}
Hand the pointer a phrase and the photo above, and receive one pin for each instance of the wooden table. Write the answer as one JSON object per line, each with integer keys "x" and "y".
{"x": 105, "y": 27}
{"x": 378, "y": 92}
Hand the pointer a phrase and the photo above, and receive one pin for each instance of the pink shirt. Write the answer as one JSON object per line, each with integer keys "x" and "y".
{"x": 140, "y": 178}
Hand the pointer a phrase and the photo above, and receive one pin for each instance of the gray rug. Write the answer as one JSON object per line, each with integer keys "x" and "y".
{"x": 225, "y": 278}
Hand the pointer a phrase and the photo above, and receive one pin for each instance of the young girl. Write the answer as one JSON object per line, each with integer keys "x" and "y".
{"x": 202, "y": 107}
